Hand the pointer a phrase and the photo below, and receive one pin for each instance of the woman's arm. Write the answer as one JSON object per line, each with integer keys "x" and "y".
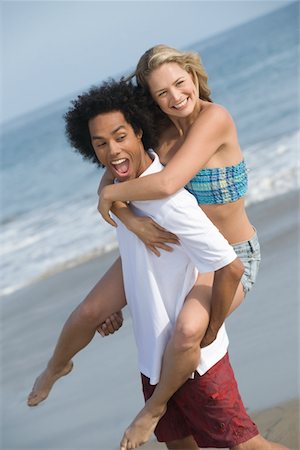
{"x": 147, "y": 230}
{"x": 119, "y": 208}
{"x": 202, "y": 141}
{"x": 106, "y": 180}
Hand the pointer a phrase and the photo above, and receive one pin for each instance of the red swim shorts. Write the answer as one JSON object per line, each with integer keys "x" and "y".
{"x": 208, "y": 407}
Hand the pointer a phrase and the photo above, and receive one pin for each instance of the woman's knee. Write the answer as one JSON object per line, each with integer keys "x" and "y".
{"x": 91, "y": 310}
{"x": 87, "y": 313}
{"x": 106, "y": 297}
{"x": 188, "y": 334}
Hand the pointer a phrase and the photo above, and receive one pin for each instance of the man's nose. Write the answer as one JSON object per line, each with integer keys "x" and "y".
{"x": 114, "y": 149}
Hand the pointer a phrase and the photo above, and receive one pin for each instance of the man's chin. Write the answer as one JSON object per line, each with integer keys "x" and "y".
{"x": 126, "y": 177}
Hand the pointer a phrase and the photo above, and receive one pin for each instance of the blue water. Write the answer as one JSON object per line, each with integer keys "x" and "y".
{"x": 49, "y": 216}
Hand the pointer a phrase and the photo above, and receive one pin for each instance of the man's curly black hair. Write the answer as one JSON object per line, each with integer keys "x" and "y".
{"x": 108, "y": 97}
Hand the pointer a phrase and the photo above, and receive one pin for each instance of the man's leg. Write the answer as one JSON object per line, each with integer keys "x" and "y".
{"x": 256, "y": 443}
{"x": 212, "y": 407}
{"x": 106, "y": 298}
{"x": 188, "y": 443}
{"x": 259, "y": 443}
{"x": 181, "y": 357}
{"x": 172, "y": 429}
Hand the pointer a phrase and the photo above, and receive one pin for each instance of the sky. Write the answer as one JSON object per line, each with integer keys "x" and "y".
{"x": 53, "y": 49}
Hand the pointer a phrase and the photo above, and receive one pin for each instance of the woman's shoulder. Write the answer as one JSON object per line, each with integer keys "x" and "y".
{"x": 216, "y": 112}
{"x": 214, "y": 118}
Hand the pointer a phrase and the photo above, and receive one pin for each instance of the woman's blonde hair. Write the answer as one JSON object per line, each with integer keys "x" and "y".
{"x": 161, "y": 54}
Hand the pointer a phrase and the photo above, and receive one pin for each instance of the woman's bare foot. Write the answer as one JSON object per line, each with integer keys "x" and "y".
{"x": 141, "y": 428}
{"x": 44, "y": 382}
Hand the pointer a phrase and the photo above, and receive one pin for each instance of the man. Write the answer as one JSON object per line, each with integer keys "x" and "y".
{"x": 206, "y": 410}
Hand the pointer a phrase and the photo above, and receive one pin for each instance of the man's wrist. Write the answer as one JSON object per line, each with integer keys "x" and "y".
{"x": 212, "y": 329}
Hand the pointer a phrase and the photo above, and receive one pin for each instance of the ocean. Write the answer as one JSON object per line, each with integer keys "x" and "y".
{"x": 49, "y": 218}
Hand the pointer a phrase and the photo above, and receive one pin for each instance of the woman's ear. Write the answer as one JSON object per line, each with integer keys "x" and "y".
{"x": 139, "y": 134}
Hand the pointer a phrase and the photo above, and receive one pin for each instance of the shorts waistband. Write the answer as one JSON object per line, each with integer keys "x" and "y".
{"x": 252, "y": 243}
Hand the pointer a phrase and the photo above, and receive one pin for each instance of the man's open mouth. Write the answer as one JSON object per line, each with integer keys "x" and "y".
{"x": 121, "y": 166}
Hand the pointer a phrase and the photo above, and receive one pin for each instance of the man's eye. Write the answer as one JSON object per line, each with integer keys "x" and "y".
{"x": 121, "y": 138}
{"x": 101, "y": 144}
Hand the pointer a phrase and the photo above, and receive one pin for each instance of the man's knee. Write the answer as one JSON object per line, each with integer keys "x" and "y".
{"x": 187, "y": 443}
{"x": 255, "y": 443}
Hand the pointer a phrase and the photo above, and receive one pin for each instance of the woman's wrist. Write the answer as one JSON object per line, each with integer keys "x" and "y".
{"x": 132, "y": 223}
{"x": 105, "y": 193}
{"x": 111, "y": 193}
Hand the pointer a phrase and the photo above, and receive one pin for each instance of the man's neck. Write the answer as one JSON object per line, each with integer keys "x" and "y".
{"x": 145, "y": 163}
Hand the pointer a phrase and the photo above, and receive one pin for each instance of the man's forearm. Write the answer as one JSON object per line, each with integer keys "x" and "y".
{"x": 226, "y": 281}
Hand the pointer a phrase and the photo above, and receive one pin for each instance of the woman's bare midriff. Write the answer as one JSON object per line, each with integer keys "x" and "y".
{"x": 231, "y": 220}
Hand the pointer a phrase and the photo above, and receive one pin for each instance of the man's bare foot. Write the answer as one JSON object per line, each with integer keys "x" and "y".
{"x": 43, "y": 384}
{"x": 141, "y": 428}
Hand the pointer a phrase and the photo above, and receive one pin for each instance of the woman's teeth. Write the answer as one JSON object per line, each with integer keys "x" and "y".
{"x": 181, "y": 104}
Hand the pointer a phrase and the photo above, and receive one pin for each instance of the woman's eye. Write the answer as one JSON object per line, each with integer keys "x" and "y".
{"x": 179, "y": 82}
{"x": 161, "y": 94}
{"x": 101, "y": 144}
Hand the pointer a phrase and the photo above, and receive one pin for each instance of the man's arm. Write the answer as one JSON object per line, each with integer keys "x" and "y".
{"x": 210, "y": 252}
{"x": 226, "y": 281}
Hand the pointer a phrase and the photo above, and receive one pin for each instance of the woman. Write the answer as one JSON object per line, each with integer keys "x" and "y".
{"x": 199, "y": 147}
{"x": 196, "y": 135}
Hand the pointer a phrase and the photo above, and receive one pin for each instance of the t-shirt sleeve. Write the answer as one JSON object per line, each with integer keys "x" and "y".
{"x": 199, "y": 237}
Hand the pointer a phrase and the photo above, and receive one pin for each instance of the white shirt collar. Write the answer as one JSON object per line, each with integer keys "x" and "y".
{"x": 156, "y": 165}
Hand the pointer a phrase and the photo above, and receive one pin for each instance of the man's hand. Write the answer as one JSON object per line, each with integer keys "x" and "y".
{"x": 111, "y": 324}
{"x": 207, "y": 340}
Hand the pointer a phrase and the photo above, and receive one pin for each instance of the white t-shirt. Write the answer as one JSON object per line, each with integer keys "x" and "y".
{"x": 156, "y": 287}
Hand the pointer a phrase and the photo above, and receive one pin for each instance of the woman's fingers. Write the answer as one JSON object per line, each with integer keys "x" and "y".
{"x": 168, "y": 239}
{"x": 153, "y": 249}
{"x": 163, "y": 246}
{"x": 159, "y": 245}
{"x": 167, "y": 236}
{"x": 104, "y": 207}
{"x": 108, "y": 219}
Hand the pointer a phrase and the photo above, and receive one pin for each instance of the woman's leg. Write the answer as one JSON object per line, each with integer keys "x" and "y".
{"x": 181, "y": 358}
{"x": 106, "y": 298}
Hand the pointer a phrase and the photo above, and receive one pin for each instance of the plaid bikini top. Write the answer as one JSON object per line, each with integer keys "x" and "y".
{"x": 219, "y": 185}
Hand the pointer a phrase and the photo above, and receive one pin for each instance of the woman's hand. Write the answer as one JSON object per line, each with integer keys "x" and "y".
{"x": 105, "y": 205}
{"x": 153, "y": 235}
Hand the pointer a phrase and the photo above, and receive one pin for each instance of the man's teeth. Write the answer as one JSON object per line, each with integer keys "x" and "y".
{"x": 179, "y": 105}
{"x": 118, "y": 161}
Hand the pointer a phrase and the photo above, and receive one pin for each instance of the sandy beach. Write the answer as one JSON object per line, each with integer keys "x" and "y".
{"x": 90, "y": 408}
